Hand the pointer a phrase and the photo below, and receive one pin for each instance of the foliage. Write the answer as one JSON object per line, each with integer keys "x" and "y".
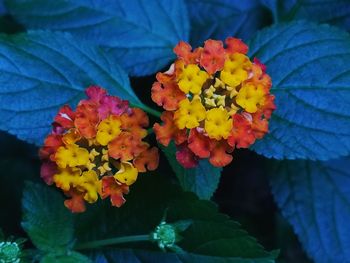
{"x": 315, "y": 198}
{"x": 50, "y": 51}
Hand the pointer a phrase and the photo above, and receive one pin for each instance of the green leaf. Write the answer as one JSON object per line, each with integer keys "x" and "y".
{"x": 315, "y": 198}
{"x": 219, "y": 19}
{"x": 210, "y": 234}
{"x": 142, "y": 256}
{"x": 139, "y": 34}
{"x": 41, "y": 71}
{"x": 333, "y": 12}
{"x": 71, "y": 257}
{"x": 312, "y": 119}
{"x": 45, "y": 219}
{"x": 202, "y": 180}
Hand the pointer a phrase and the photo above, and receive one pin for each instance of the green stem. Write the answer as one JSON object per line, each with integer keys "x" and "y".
{"x": 112, "y": 241}
{"x": 147, "y": 109}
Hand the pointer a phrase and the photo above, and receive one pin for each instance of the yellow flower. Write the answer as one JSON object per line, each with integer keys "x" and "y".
{"x": 192, "y": 79}
{"x": 218, "y": 123}
{"x": 107, "y": 130}
{"x": 127, "y": 173}
{"x": 71, "y": 137}
{"x": 189, "y": 113}
{"x": 89, "y": 184}
{"x": 66, "y": 178}
{"x": 250, "y": 96}
{"x": 71, "y": 155}
{"x": 235, "y": 69}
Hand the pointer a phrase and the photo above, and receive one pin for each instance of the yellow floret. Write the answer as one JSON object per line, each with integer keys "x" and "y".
{"x": 192, "y": 79}
{"x": 218, "y": 123}
{"x": 107, "y": 130}
{"x": 71, "y": 155}
{"x": 190, "y": 113}
{"x": 235, "y": 69}
{"x": 127, "y": 173}
{"x": 249, "y": 97}
{"x": 90, "y": 184}
{"x": 66, "y": 178}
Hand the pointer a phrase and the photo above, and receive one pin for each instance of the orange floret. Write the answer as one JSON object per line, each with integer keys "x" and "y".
{"x": 148, "y": 158}
{"x": 235, "y": 45}
{"x": 184, "y": 51}
{"x": 219, "y": 155}
{"x": 86, "y": 119}
{"x": 126, "y": 147}
{"x": 167, "y": 96}
{"x": 242, "y": 135}
{"x": 169, "y": 130}
{"x": 213, "y": 56}
{"x": 111, "y": 187}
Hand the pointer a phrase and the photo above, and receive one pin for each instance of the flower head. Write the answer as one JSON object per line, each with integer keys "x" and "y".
{"x": 97, "y": 150}
{"x": 215, "y": 100}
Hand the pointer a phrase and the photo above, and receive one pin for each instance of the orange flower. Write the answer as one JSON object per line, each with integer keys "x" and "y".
{"x": 65, "y": 117}
{"x": 134, "y": 122}
{"x": 184, "y": 51}
{"x": 169, "y": 96}
{"x": 126, "y": 147}
{"x": 111, "y": 187}
{"x": 213, "y": 56}
{"x": 51, "y": 144}
{"x": 91, "y": 152}
{"x": 86, "y": 119}
{"x": 219, "y": 154}
{"x": 76, "y": 202}
{"x": 148, "y": 158}
{"x": 242, "y": 135}
{"x": 169, "y": 130}
{"x": 215, "y": 99}
{"x": 199, "y": 144}
{"x": 235, "y": 45}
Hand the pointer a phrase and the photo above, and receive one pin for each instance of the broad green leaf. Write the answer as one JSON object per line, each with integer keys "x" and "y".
{"x": 315, "y": 198}
{"x": 71, "y": 257}
{"x": 45, "y": 219}
{"x": 219, "y": 19}
{"x": 40, "y": 71}
{"x": 325, "y": 11}
{"x": 139, "y": 34}
{"x": 142, "y": 256}
{"x": 210, "y": 234}
{"x": 310, "y": 71}
{"x": 202, "y": 180}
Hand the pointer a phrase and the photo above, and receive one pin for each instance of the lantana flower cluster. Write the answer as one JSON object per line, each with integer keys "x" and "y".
{"x": 97, "y": 150}
{"x": 215, "y": 100}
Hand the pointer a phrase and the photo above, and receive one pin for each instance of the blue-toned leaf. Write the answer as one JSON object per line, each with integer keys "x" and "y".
{"x": 40, "y": 71}
{"x": 310, "y": 70}
{"x": 45, "y": 219}
{"x": 138, "y": 34}
{"x": 315, "y": 199}
{"x": 202, "y": 180}
{"x": 219, "y": 19}
{"x": 325, "y": 11}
